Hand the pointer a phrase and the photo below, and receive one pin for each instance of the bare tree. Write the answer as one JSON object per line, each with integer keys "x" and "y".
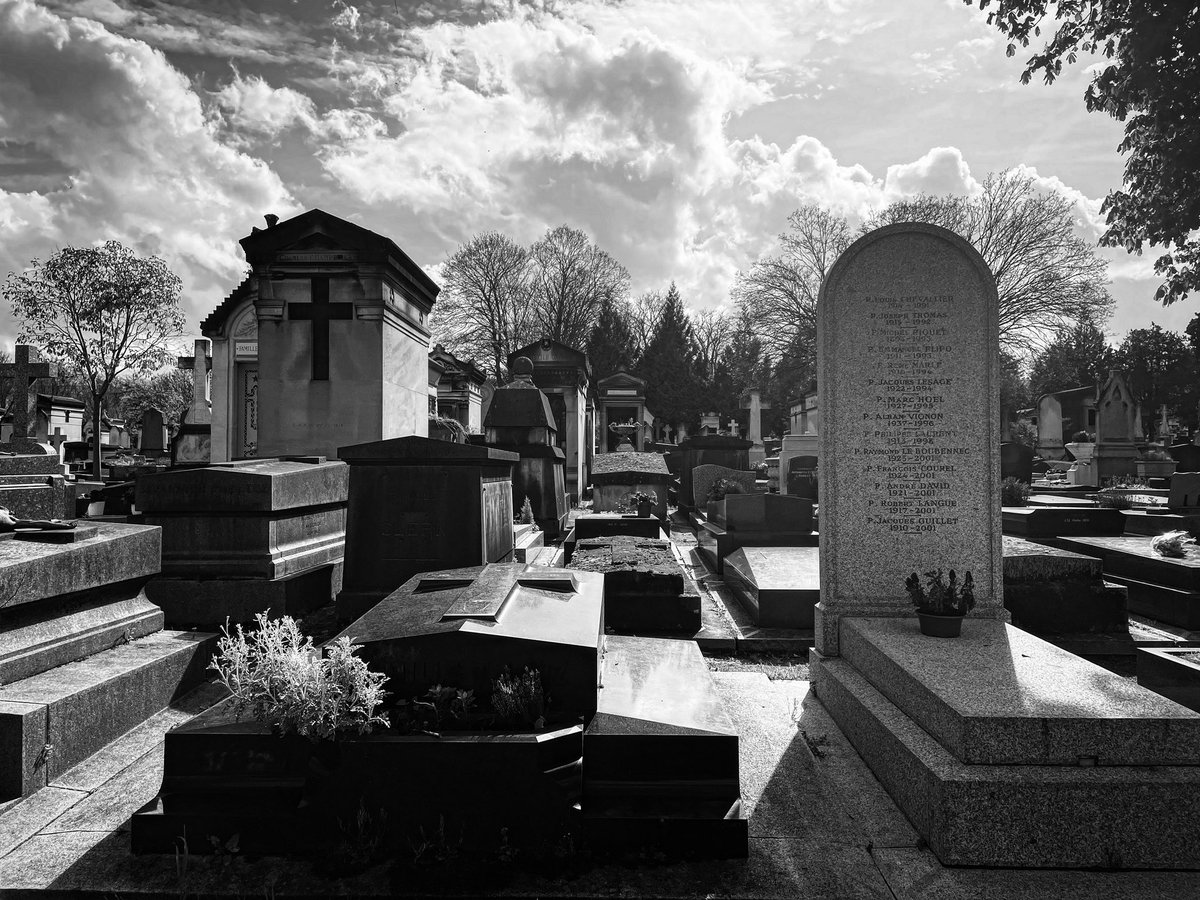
{"x": 644, "y": 312}
{"x": 485, "y": 310}
{"x": 712, "y": 331}
{"x": 778, "y": 294}
{"x": 571, "y": 279}
{"x": 1048, "y": 278}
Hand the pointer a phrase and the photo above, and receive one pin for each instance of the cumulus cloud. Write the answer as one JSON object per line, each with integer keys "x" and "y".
{"x": 142, "y": 164}
{"x": 251, "y": 105}
{"x": 940, "y": 171}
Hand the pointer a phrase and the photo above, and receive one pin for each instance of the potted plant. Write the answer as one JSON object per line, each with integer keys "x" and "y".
{"x": 641, "y": 502}
{"x": 941, "y": 603}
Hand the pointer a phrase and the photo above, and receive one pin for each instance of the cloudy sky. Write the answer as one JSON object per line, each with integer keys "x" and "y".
{"x": 679, "y": 133}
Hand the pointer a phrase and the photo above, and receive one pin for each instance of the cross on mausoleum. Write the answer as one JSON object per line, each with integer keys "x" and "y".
{"x": 320, "y": 312}
{"x": 24, "y": 372}
{"x": 199, "y": 411}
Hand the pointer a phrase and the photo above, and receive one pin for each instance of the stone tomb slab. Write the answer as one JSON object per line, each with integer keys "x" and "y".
{"x": 421, "y": 505}
{"x": 661, "y": 759}
{"x": 1026, "y": 702}
{"x": 462, "y": 627}
{"x": 779, "y": 586}
{"x": 613, "y": 524}
{"x": 1062, "y": 520}
{"x": 1130, "y": 556}
{"x": 645, "y": 589}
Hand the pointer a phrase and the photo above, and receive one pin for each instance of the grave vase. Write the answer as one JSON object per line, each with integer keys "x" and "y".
{"x": 937, "y": 625}
{"x": 645, "y": 509}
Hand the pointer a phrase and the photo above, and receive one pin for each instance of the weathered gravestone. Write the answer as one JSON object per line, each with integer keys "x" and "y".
{"x": 703, "y": 478}
{"x": 32, "y": 484}
{"x": 1049, "y": 427}
{"x": 520, "y": 421}
{"x": 992, "y": 766}
{"x": 1116, "y": 444}
{"x": 417, "y": 505}
{"x": 153, "y": 440}
{"x": 192, "y": 445}
{"x": 711, "y": 449}
{"x": 910, "y": 471}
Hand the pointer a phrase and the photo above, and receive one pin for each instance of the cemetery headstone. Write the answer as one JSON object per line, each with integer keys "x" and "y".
{"x": 1187, "y": 456}
{"x": 520, "y": 420}
{"x": 417, "y": 505}
{"x": 32, "y": 484}
{"x": 705, "y": 475}
{"x": 1116, "y": 450}
{"x": 714, "y": 449}
{"x": 1049, "y": 427}
{"x": 907, "y": 360}
{"x": 153, "y": 440}
{"x": 192, "y": 445}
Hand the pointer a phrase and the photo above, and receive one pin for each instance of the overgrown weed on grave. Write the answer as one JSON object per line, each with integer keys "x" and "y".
{"x": 519, "y": 700}
{"x": 363, "y": 843}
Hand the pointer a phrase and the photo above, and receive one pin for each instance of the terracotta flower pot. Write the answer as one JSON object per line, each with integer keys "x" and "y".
{"x": 936, "y": 625}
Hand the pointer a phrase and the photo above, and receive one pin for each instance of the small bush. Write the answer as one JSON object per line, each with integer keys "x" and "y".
{"x": 1013, "y": 492}
{"x": 525, "y": 516}
{"x": 519, "y": 700}
{"x": 1081, "y": 437}
{"x": 277, "y": 674}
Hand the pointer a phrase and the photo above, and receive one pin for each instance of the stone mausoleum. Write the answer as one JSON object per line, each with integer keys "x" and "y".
{"x": 323, "y": 345}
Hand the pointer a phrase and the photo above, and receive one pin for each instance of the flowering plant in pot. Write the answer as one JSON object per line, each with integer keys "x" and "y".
{"x": 641, "y": 502}
{"x": 942, "y": 602}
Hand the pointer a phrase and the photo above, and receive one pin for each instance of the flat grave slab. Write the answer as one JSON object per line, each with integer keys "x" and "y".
{"x": 1130, "y": 556}
{"x": 661, "y": 758}
{"x": 645, "y": 589}
{"x": 778, "y": 585}
{"x": 1053, "y": 521}
{"x": 612, "y": 524}
{"x": 1032, "y": 704}
{"x": 1051, "y": 591}
{"x": 1154, "y": 522}
{"x": 1070, "y": 497}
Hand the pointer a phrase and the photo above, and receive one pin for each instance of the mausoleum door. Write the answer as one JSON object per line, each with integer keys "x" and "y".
{"x": 246, "y": 406}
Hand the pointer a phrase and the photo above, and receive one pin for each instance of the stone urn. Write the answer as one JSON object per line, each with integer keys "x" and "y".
{"x": 1081, "y": 451}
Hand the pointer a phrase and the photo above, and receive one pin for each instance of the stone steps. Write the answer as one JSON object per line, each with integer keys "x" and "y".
{"x": 53, "y": 720}
{"x": 1005, "y": 751}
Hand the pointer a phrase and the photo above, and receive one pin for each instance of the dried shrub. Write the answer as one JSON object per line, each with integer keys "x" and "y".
{"x": 276, "y": 674}
{"x": 519, "y": 700}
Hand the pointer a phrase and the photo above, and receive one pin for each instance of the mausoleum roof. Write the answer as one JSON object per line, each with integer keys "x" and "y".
{"x": 213, "y": 323}
{"x": 631, "y": 461}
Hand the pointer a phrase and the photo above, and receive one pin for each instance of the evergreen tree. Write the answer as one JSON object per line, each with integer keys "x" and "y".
{"x": 611, "y": 344}
{"x": 1079, "y": 356}
{"x": 673, "y": 388}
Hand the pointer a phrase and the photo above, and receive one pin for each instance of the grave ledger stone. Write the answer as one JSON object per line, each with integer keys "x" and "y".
{"x": 907, "y": 354}
{"x": 417, "y": 505}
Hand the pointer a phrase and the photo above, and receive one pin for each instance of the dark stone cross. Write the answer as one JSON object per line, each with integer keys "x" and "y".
{"x": 319, "y": 312}
{"x": 24, "y": 373}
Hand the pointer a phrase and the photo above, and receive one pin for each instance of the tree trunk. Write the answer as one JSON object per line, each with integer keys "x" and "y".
{"x": 97, "y": 409}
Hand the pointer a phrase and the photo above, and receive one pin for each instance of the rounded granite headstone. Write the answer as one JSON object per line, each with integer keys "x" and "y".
{"x": 908, "y": 339}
